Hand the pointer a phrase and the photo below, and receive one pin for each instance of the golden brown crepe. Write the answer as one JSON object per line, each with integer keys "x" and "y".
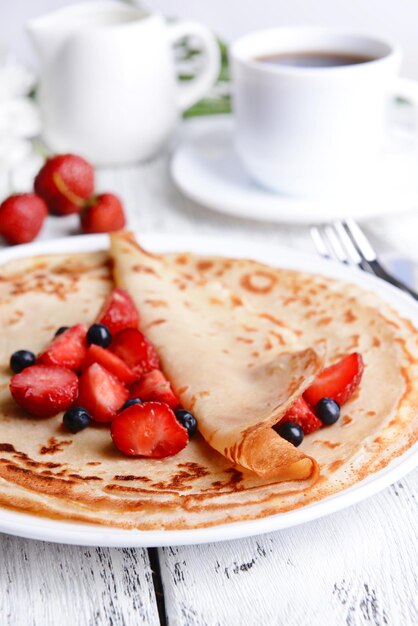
{"x": 226, "y": 362}
{"x": 45, "y": 470}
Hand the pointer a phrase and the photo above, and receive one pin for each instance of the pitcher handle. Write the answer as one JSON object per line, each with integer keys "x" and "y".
{"x": 192, "y": 91}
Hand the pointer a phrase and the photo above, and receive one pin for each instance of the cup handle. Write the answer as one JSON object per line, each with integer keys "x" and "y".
{"x": 192, "y": 91}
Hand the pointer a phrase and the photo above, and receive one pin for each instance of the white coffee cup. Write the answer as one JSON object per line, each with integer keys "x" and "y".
{"x": 307, "y": 130}
{"x": 108, "y": 87}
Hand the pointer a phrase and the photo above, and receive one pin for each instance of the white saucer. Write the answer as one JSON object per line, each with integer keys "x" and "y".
{"x": 206, "y": 168}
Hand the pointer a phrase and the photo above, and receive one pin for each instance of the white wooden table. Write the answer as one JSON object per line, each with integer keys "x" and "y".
{"x": 359, "y": 566}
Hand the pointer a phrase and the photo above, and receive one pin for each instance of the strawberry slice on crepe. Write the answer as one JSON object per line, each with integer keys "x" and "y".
{"x": 44, "y": 390}
{"x": 149, "y": 429}
{"x": 154, "y": 386}
{"x": 301, "y": 413}
{"x": 68, "y": 349}
{"x": 101, "y": 393}
{"x": 111, "y": 362}
{"x": 338, "y": 381}
{"x": 136, "y": 350}
{"x": 118, "y": 312}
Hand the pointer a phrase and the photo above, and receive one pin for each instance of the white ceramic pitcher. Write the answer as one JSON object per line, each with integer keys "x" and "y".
{"x": 108, "y": 87}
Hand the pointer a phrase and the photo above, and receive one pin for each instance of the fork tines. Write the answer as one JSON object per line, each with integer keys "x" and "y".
{"x": 344, "y": 241}
{"x": 335, "y": 241}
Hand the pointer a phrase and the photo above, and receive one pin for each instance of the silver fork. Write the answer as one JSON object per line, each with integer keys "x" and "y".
{"x": 345, "y": 241}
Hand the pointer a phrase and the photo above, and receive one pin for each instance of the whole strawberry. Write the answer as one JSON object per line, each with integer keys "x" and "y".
{"x": 102, "y": 214}
{"x": 21, "y": 217}
{"x": 65, "y": 182}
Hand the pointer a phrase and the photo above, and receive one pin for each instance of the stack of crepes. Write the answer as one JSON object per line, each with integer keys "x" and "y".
{"x": 239, "y": 342}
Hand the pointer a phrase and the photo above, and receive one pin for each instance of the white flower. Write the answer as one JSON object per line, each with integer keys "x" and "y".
{"x": 19, "y": 114}
{"x": 19, "y": 117}
{"x": 16, "y": 80}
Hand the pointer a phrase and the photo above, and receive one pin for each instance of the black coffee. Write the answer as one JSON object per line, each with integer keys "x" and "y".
{"x": 314, "y": 58}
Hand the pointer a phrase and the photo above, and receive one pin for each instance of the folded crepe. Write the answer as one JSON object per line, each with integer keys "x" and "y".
{"x": 228, "y": 364}
{"x": 236, "y": 467}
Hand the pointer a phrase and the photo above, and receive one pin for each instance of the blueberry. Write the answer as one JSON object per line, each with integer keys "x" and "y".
{"x": 76, "y": 418}
{"x": 291, "y": 432}
{"x": 328, "y": 411}
{"x": 100, "y": 335}
{"x": 187, "y": 420}
{"x": 61, "y": 330}
{"x": 130, "y": 402}
{"x": 21, "y": 359}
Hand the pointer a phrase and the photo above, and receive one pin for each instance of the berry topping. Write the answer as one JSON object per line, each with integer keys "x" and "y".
{"x": 130, "y": 402}
{"x": 100, "y": 335}
{"x": 65, "y": 182}
{"x": 338, "y": 381}
{"x": 328, "y": 411}
{"x": 21, "y": 359}
{"x": 301, "y": 413}
{"x": 111, "y": 362}
{"x": 154, "y": 386}
{"x": 67, "y": 349}
{"x": 61, "y": 330}
{"x": 44, "y": 390}
{"x": 21, "y": 217}
{"x": 118, "y": 312}
{"x": 291, "y": 432}
{"x": 136, "y": 350}
{"x": 103, "y": 214}
{"x": 187, "y": 420}
{"x": 76, "y": 419}
{"x": 150, "y": 429}
{"x": 101, "y": 393}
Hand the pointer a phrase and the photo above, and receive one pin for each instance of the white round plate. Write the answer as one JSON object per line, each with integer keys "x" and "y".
{"x": 34, "y": 527}
{"x": 206, "y": 168}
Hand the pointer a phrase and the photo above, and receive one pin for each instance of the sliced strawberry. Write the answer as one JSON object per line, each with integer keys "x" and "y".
{"x": 301, "y": 413}
{"x": 111, "y": 362}
{"x": 154, "y": 386}
{"x": 101, "y": 393}
{"x": 118, "y": 312}
{"x": 44, "y": 390}
{"x": 337, "y": 381}
{"x": 136, "y": 350}
{"x": 148, "y": 429}
{"x": 67, "y": 349}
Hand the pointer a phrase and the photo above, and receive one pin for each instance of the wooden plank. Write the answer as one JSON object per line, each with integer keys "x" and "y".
{"x": 356, "y": 567}
{"x": 45, "y": 584}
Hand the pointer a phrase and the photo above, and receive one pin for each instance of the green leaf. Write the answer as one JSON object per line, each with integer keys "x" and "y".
{"x": 212, "y": 104}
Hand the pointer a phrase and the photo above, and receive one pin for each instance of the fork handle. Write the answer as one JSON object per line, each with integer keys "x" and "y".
{"x": 380, "y": 271}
